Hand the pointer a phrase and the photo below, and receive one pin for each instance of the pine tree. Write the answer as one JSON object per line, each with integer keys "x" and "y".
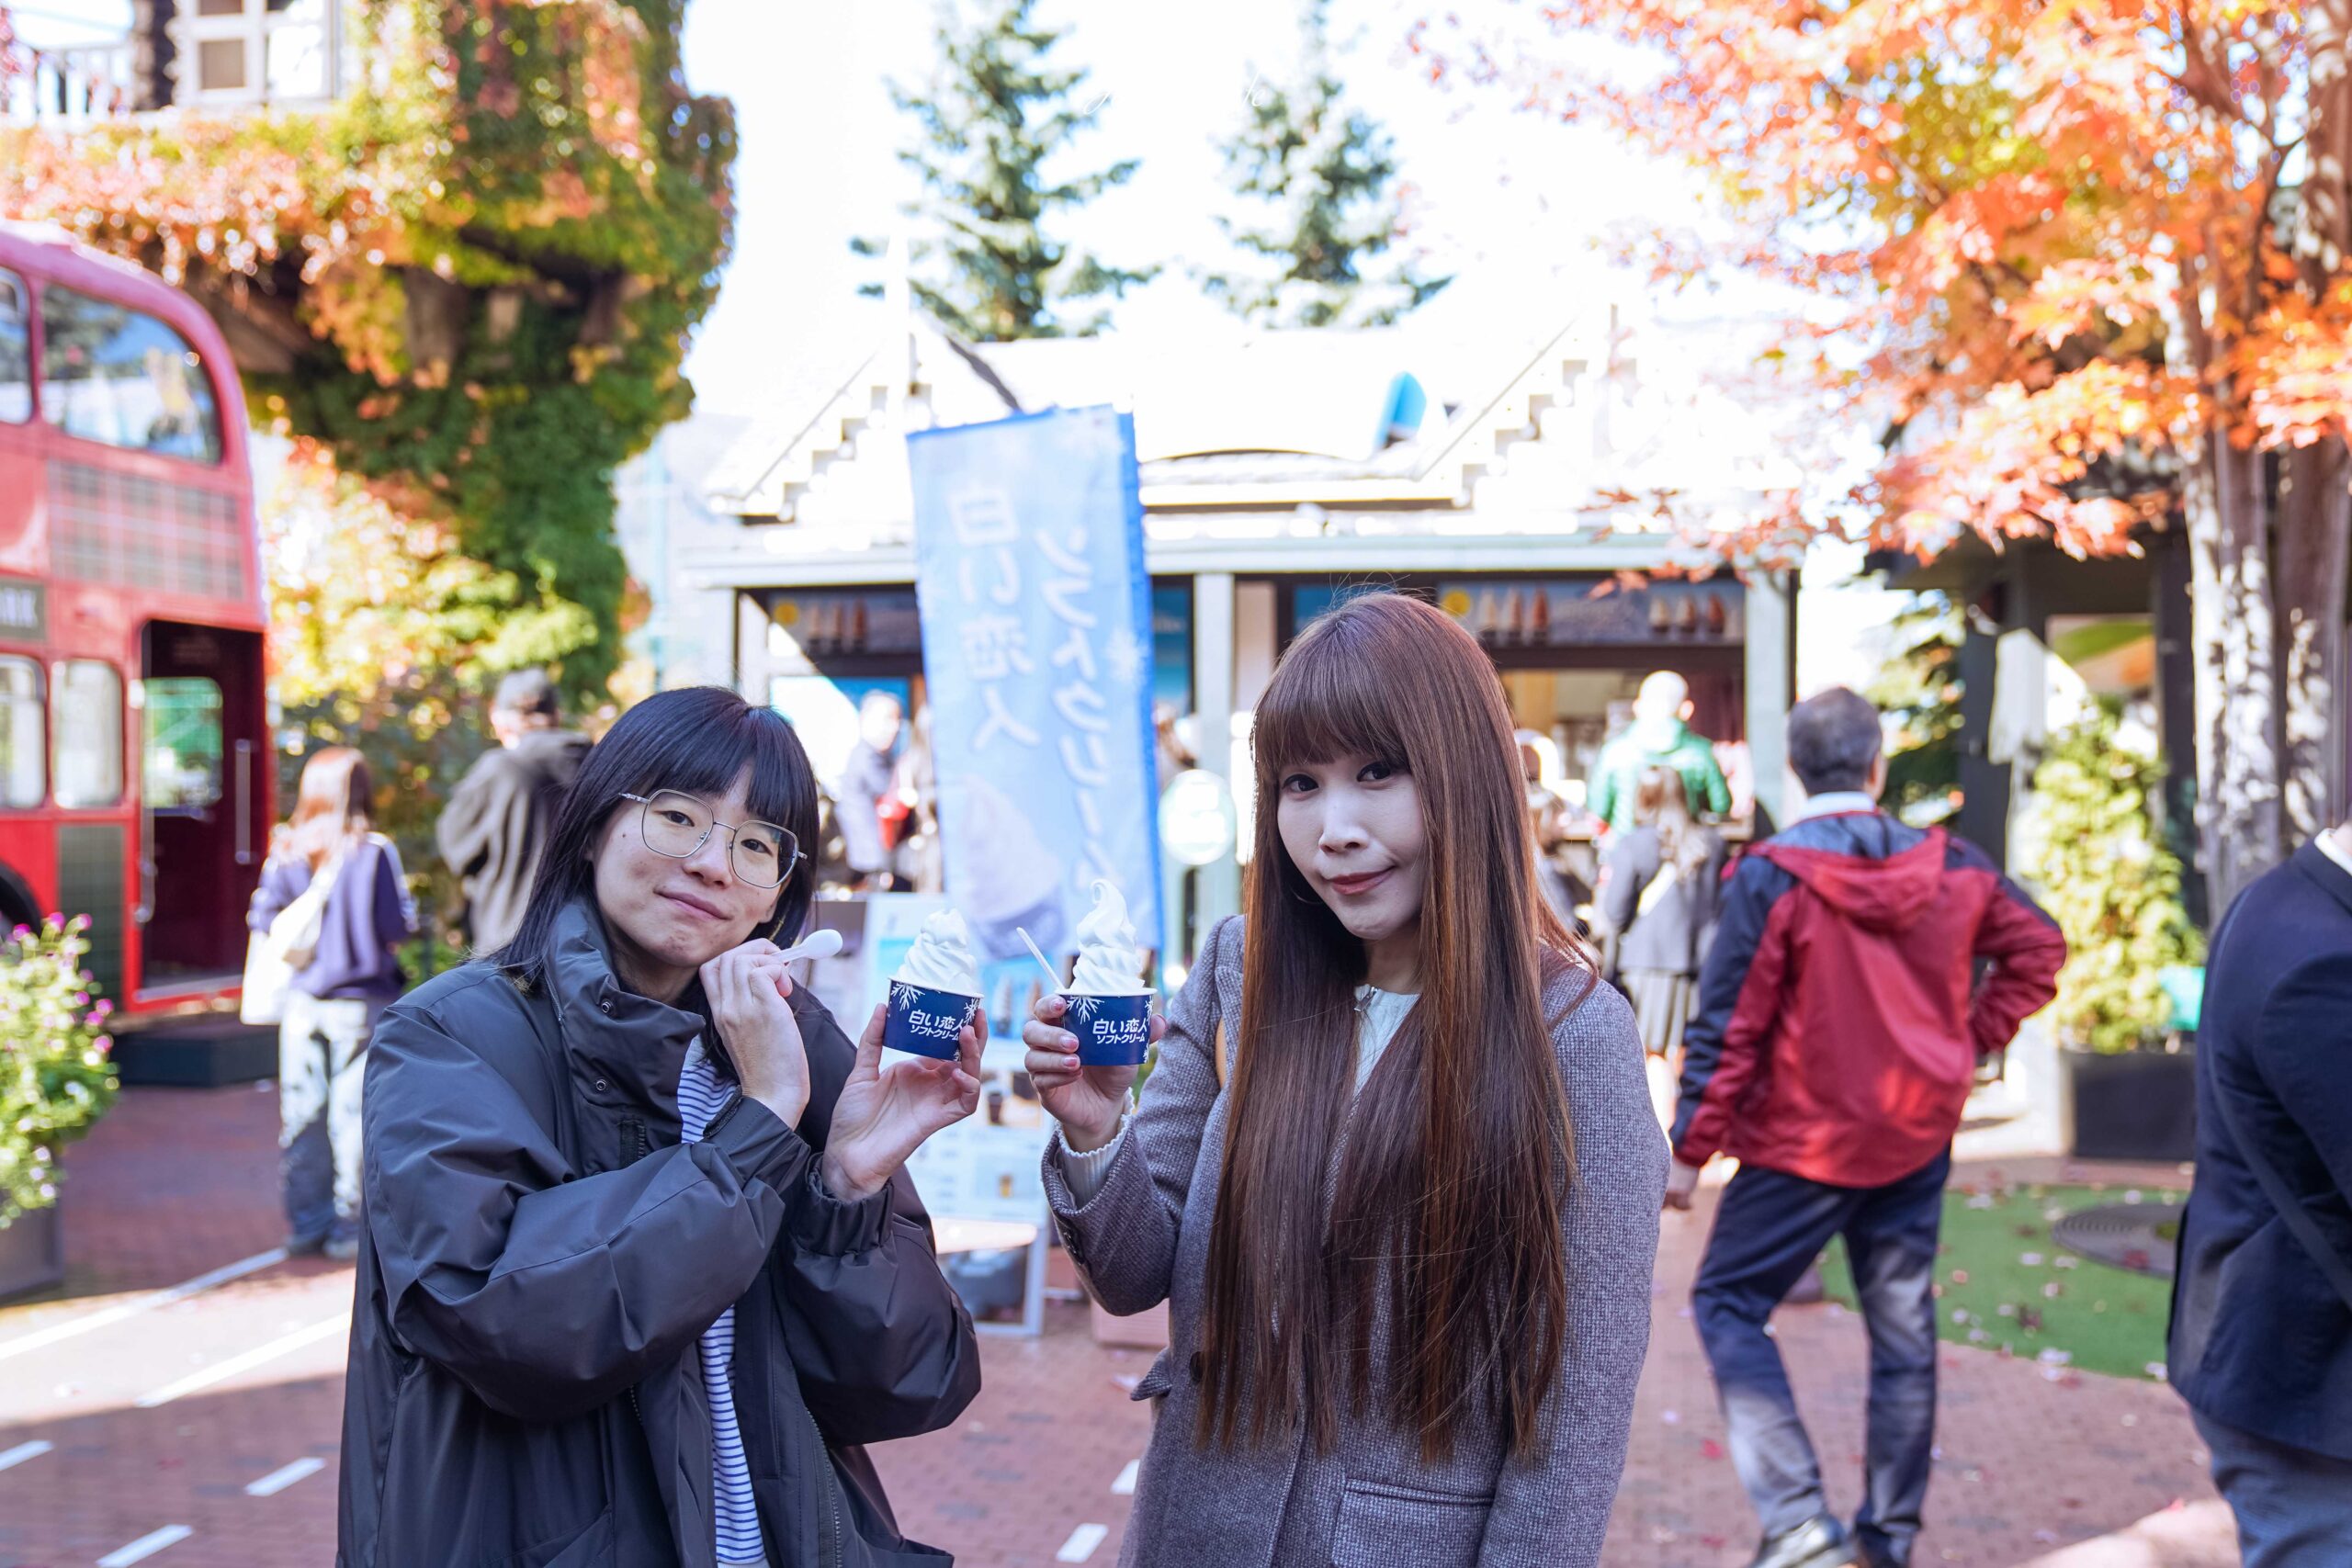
{"x": 987, "y": 261}
{"x": 1320, "y": 176}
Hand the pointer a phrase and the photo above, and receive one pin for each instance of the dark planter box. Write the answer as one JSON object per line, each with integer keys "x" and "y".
{"x": 196, "y": 1054}
{"x": 2140, "y": 1106}
{"x": 32, "y": 1253}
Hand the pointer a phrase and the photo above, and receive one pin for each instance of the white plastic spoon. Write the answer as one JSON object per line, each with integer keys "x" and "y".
{"x": 816, "y": 945}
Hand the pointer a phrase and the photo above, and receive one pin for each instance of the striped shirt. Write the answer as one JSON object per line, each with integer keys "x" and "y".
{"x": 702, "y": 1096}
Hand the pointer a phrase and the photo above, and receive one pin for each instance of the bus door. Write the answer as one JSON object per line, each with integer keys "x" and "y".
{"x": 203, "y": 821}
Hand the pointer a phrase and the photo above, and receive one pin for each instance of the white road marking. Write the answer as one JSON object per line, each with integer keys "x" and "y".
{"x": 133, "y": 1307}
{"x": 23, "y": 1451}
{"x": 146, "y": 1546}
{"x": 1125, "y": 1485}
{"x": 221, "y": 1372}
{"x": 1082, "y": 1543}
{"x": 278, "y": 1481}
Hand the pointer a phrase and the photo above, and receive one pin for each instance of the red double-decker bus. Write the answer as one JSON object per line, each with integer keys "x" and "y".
{"x": 135, "y": 781}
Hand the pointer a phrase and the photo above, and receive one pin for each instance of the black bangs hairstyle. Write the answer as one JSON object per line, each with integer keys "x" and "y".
{"x": 698, "y": 739}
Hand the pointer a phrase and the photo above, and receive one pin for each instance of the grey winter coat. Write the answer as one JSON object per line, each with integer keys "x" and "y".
{"x": 1144, "y": 1237}
{"x": 541, "y": 1254}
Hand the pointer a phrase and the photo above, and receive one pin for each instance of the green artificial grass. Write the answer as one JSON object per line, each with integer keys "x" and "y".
{"x": 2003, "y": 1285}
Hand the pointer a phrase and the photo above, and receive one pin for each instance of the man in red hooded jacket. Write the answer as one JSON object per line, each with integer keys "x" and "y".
{"x": 1861, "y": 970}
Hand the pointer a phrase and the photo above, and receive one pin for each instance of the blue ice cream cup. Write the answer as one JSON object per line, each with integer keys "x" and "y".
{"x": 1112, "y": 1030}
{"x": 926, "y": 1022}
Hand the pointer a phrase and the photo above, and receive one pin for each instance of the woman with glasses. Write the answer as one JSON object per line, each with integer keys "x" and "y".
{"x": 640, "y": 1270}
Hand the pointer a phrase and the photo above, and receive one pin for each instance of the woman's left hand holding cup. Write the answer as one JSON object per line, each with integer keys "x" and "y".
{"x": 884, "y": 1115}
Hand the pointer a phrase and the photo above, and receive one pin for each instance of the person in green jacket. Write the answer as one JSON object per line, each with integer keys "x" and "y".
{"x": 1660, "y": 737}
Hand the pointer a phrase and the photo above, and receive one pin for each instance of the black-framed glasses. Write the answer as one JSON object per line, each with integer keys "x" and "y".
{"x": 676, "y": 825}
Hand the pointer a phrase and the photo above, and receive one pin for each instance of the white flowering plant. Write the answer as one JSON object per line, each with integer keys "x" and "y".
{"x": 57, "y": 1071}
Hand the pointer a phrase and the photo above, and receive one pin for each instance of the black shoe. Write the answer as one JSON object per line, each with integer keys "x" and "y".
{"x": 1873, "y": 1550}
{"x": 1819, "y": 1543}
{"x": 303, "y": 1246}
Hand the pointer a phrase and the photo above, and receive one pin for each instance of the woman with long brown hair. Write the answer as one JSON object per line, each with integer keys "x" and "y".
{"x": 1396, "y": 1171}
{"x": 337, "y": 880}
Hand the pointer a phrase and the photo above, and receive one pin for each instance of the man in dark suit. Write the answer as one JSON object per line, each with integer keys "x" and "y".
{"x": 2261, "y": 1343}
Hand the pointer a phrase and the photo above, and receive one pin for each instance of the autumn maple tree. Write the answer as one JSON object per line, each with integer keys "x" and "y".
{"x": 2085, "y": 261}
{"x": 467, "y": 283}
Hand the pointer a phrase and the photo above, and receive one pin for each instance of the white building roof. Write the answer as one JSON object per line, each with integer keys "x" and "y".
{"x": 1533, "y": 428}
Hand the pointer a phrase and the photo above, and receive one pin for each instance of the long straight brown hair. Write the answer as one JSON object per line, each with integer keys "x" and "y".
{"x": 1458, "y": 1153}
{"x": 335, "y": 806}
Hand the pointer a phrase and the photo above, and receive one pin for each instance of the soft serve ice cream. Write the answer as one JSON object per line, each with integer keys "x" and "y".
{"x": 1109, "y": 959}
{"x": 941, "y": 958}
{"x": 935, "y": 990}
{"x": 1109, "y": 1008}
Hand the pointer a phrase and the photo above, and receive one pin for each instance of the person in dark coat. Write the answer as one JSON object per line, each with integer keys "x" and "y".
{"x": 2261, "y": 1335}
{"x": 1860, "y": 971}
{"x": 497, "y": 822}
{"x": 640, "y": 1272}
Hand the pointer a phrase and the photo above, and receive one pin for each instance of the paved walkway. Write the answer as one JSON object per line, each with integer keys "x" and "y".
{"x": 128, "y": 1416}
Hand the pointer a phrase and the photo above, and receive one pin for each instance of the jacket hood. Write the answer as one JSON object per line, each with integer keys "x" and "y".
{"x": 554, "y": 754}
{"x": 630, "y": 1039}
{"x": 1883, "y": 892}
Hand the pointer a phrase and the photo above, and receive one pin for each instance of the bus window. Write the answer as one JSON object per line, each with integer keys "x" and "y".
{"x": 86, "y": 733}
{"x": 23, "y": 757}
{"x": 180, "y": 757}
{"x": 118, "y": 376}
{"x": 15, "y": 351}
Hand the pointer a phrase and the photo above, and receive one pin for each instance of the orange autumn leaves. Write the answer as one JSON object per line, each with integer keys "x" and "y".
{"x": 2045, "y": 242}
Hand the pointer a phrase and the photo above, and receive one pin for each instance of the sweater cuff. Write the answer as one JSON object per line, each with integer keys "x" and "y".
{"x": 1084, "y": 1174}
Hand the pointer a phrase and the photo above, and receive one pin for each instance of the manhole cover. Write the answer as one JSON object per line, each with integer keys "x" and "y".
{"x": 2135, "y": 1237}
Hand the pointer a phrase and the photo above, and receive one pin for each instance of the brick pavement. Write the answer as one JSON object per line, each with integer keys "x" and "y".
{"x": 179, "y": 1182}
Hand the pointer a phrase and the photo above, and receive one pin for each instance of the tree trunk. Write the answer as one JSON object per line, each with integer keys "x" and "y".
{"x": 2315, "y": 507}
{"x": 2314, "y": 533}
{"x": 2237, "y": 709}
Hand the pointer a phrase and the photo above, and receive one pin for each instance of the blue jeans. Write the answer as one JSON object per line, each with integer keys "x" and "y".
{"x": 321, "y": 1058}
{"x": 1772, "y": 1225}
{"x": 2293, "y": 1506}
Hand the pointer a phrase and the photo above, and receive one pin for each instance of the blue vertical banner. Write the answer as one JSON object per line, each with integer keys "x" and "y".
{"x": 1037, "y": 648}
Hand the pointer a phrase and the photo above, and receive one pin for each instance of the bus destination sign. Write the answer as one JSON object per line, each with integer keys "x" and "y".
{"x": 23, "y": 609}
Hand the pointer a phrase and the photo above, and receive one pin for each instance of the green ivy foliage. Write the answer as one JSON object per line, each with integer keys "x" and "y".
{"x": 56, "y": 1071}
{"x": 484, "y": 262}
{"x": 2107, "y": 878}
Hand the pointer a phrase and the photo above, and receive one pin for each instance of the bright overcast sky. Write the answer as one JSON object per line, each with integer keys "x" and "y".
{"x": 1503, "y": 197}
{"x": 1502, "y": 193}
{"x": 818, "y": 135}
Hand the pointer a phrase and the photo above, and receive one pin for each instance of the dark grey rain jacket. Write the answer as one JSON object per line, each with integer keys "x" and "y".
{"x": 541, "y": 1255}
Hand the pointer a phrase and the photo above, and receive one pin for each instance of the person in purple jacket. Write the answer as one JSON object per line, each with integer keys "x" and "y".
{"x": 335, "y": 997}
